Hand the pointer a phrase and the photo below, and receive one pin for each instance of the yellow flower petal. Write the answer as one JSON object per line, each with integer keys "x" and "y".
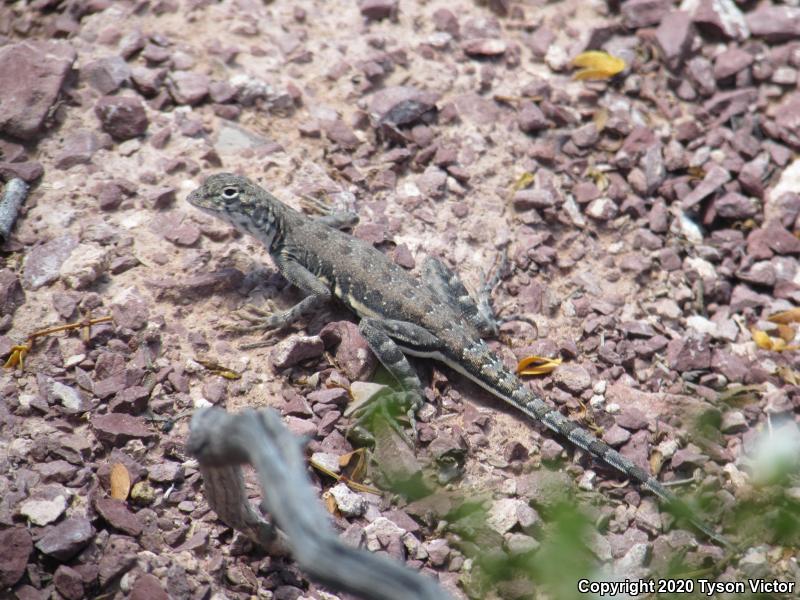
{"x": 597, "y": 65}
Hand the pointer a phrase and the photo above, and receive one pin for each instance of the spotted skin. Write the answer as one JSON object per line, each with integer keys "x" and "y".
{"x": 400, "y": 314}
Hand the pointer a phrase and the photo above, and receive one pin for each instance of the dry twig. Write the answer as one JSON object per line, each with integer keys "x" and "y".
{"x": 221, "y": 442}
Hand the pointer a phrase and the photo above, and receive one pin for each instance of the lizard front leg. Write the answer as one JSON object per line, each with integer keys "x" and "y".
{"x": 297, "y": 274}
{"x": 338, "y": 219}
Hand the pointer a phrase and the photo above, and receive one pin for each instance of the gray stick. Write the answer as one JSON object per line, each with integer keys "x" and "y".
{"x": 13, "y": 196}
{"x": 221, "y": 442}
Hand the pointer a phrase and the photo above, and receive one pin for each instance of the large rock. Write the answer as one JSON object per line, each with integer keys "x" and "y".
{"x": 775, "y": 23}
{"x": 31, "y": 76}
{"x": 15, "y": 548}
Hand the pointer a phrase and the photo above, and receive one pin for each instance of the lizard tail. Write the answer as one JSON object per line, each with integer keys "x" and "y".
{"x": 555, "y": 421}
{"x": 483, "y": 367}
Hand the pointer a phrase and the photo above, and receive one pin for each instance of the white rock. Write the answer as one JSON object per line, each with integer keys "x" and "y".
{"x": 349, "y": 502}
{"x": 41, "y": 512}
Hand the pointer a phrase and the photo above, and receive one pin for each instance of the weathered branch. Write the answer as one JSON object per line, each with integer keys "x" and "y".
{"x": 221, "y": 442}
{"x": 13, "y": 196}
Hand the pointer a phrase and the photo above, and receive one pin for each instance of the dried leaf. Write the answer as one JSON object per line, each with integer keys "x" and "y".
{"x": 764, "y": 341}
{"x": 358, "y": 468}
{"x": 786, "y": 332}
{"x": 696, "y": 172}
{"x": 600, "y": 179}
{"x": 741, "y": 395}
{"x": 523, "y": 181}
{"x": 330, "y": 503}
{"x": 218, "y": 369}
{"x": 790, "y": 376}
{"x": 17, "y": 357}
{"x": 356, "y": 472}
{"x": 120, "y": 482}
{"x": 787, "y": 316}
{"x": 600, "y": 118}
{"x": 537, "y": 365}
{"x": 597, "y": 65}
{"x": 656, "y": 462}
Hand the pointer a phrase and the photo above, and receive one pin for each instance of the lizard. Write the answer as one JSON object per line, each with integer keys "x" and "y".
{"x": 400, "y": 315}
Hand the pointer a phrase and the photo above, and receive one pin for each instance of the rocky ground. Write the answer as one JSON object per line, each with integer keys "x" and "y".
{"x": 651, "y": 221}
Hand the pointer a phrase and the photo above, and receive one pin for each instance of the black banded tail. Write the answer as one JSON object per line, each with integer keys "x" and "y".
{"x": 483, "y": 367}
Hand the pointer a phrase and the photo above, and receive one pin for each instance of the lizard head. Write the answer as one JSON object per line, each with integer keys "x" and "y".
{"x": 222, "y": 194}
{"x": 238, "y": 201}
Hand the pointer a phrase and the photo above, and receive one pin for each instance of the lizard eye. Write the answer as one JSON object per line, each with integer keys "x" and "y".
{"x": 229, "y": 193}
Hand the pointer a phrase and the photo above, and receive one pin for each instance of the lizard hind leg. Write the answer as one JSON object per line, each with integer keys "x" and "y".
{"x": 379, "y": 334}
{"x": 446, "y": 284}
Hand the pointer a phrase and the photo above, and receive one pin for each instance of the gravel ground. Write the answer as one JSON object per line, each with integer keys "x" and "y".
{"x": 651, "y": 221}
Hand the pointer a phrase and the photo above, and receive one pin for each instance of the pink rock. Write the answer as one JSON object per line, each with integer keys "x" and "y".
{"x": 787, "y": 120}
{"x": 66, "y": 539}
{"x": 147, "y": 587}
{"x": 775, "y": 23}
{"x": 31, "y": 76}
{"x": 15, "y": 548}
{"x": 116, "y": 513}
{"x": 106, "y": 75}
{"x": 445, "y": 20}
{"x": 715, "y": 178}
{"x": 644, "y": 13}
{"x": 78, "y": 149}
{"x": 674, "y": 36}
{"x": 401, "y": 105}
{"x": 484, "y": 47}
{"x": 68, "y": 582}
{"x": 720, "y": 19}
{"x": 123, "y": 117}
{"x": 117, "y": 429}
{"x": 378, "y": 9}
{"x": 28, "y": 171}
{"x": 731, "y": 61}
{"x": 187, "y": 87}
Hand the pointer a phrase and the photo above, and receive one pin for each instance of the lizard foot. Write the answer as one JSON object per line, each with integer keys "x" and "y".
{"x": 267, "y": 321}
{"x": 389, "y": 406}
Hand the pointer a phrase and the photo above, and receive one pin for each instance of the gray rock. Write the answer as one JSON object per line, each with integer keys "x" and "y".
{"x": 733, "y": 421}
{"x": 43, "y": 262}
{"x": 349, "y": 502}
